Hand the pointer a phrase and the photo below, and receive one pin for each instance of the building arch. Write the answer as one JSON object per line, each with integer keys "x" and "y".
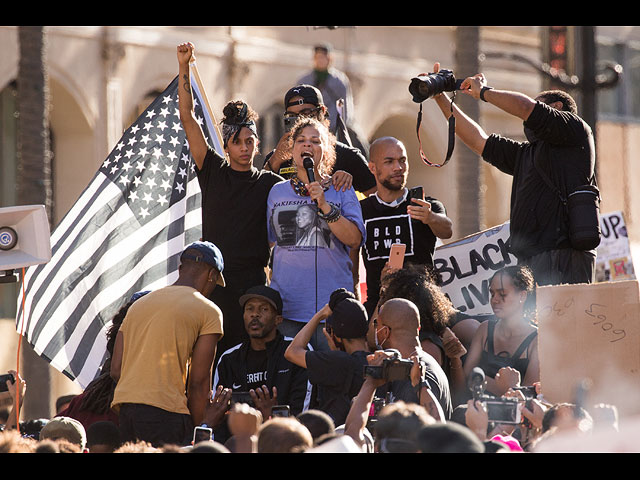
{"x": 72, "y": 125}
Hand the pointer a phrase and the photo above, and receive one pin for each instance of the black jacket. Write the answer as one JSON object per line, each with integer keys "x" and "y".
{"x": 290, "y": 380}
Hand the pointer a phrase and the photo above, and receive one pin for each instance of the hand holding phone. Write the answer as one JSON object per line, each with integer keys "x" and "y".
{"x": 416, "y": 192}
{"x": 280, "y": 411}
{"x": 201, "y": 433}
{"x": 396, "y": 255}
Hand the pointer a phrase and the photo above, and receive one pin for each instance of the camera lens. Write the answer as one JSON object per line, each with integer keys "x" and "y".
{"x": 426, "y": 86}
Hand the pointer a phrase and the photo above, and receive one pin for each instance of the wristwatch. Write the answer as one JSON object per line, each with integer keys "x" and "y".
{"x": 482, "y": 90}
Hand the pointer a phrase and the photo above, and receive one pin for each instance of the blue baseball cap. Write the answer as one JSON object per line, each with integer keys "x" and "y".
{"x": 138, "y": 295}
{"x": 207, "y": 253}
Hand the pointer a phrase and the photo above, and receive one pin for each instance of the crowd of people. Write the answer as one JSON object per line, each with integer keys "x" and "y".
{"x": 264, "y": 344}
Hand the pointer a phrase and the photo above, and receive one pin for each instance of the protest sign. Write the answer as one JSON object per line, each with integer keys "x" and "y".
{"x": 590, "y": 332}
{"x": 466, "y": 265}
{"x": 613, "y": 261}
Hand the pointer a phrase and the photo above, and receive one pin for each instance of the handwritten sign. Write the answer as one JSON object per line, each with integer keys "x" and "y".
{"x": 613, "y": 261}
{"x": 591, "y": 332}
{"x": 467, "y": 265}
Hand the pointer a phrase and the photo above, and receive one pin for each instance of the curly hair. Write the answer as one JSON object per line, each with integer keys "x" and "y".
{"x": 99, "y": 393}
{"x": 416, "y": 283}
{"x": 325, "y": 167}
{"x": 551, "y": 96}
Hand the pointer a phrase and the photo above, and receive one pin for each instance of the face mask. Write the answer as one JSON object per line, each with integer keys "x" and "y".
{"x": 375, "y": 335}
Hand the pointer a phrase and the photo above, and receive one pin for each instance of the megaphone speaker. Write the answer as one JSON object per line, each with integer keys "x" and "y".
{"x": 25, "y": 239}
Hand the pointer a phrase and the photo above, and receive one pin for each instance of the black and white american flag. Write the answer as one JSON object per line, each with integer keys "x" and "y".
{"x": 124, "y": 234}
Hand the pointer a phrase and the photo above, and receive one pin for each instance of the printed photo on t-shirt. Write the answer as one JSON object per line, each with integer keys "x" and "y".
{"x": 300, "y": 226}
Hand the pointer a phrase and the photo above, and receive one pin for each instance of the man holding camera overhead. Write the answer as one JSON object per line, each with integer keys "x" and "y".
{"x": 554, "y": 201}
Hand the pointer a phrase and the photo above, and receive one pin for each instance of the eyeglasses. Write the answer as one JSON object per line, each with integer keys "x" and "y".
{"x": 307, "y": 112}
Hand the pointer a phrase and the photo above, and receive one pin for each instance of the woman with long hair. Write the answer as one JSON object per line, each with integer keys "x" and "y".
{"x": 307, "y": 274}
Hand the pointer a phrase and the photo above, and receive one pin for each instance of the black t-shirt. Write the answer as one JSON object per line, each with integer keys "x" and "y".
{"x": 386, "y": 225}
{"x": 234, "y": 212}
{"x": 348, "y": 159}
{"x": 436, "y": 379}
{"x": 565, "y": 151}
{"x": 257, "y": 362}
{"x": 338, "y": 377}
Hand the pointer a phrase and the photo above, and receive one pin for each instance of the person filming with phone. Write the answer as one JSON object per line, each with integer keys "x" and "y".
{"x": 396, "y": 215}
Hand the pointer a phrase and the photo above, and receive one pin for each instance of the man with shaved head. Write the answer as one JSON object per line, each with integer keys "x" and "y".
{"x": 391, "y": 216}
{"x": 396, "y": 327}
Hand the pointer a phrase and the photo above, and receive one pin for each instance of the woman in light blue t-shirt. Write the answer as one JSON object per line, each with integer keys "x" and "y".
{"x": 311, "y": 252}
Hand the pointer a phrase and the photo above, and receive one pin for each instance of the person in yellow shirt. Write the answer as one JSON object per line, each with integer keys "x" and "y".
{"x": 164, "y": 353}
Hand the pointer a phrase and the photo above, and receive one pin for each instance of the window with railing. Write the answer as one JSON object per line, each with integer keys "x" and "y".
{"x": 621, "y": 102}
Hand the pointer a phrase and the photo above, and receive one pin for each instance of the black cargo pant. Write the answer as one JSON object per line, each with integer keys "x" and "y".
{"x": 566, "y": 265}
{"x": 154, "y": 425}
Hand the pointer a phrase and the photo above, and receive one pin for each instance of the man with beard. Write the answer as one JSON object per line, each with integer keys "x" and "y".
{"x": 391, "y": 216}
{"x": 257, "y": 367}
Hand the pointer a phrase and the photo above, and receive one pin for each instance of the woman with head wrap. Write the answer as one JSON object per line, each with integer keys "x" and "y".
{"x": 234, "y": 196}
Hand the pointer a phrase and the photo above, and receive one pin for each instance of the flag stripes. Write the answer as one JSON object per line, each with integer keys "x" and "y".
{"x": 124, "y": 234}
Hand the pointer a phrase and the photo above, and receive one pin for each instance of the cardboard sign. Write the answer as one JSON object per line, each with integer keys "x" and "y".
{"x": 467, "y": 265}
{"x": 613, "y": 261}
{"x": 591, "y": 332}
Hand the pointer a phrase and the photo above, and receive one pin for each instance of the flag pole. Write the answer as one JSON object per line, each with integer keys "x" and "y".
{"x": 196, "y": 76}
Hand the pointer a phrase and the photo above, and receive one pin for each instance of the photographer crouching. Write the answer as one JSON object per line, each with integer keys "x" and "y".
{"x": 401, "y": 375}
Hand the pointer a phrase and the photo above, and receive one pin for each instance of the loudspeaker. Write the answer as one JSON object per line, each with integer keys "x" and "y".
{"x": 25, "y": 239}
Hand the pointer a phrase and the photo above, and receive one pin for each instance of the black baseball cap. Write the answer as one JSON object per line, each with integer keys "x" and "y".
{"x": 348, "y": 319}
{"x": 266, "y": 293}
{"x": 309, "y": 94}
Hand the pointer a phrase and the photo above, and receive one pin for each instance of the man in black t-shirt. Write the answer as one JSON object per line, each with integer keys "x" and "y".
{"x": 392, "y": 216}
{"x": 397, "y": 328}
{"x": 337, "y": 374}
{"x": 306, "y": 101}
{"x": 234, "y": 199}
{"x": 561, "y": 148}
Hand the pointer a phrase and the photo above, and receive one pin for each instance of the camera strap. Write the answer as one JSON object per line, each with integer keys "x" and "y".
{"x": 452, "y": 137}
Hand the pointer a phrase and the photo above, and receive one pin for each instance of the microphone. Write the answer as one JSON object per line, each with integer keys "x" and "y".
{"x": 307, "y": 162}
{"x": 476, "y": 383}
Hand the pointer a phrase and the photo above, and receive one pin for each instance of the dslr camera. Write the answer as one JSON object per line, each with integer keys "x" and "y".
{"x": 4, "y": 379}
{"x": 430, "y": 84}
{"x": 394, "y": 368}
{"x": 499, "y": 409}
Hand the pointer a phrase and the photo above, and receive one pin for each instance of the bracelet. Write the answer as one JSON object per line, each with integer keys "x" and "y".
{"x": 482, "y": 90}
{"x": 332, "y": 216}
